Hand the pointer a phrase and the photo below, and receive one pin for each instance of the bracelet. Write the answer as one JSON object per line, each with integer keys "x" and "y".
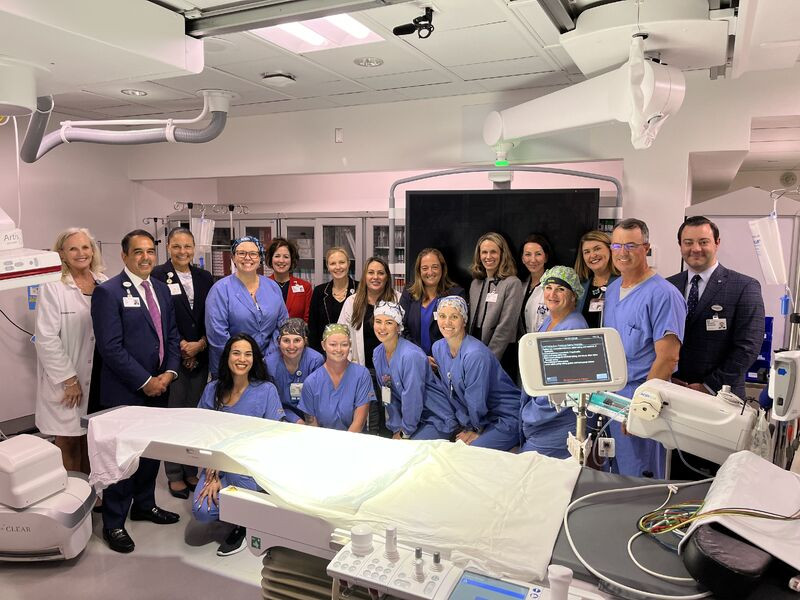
{"x": 69, "y": 385}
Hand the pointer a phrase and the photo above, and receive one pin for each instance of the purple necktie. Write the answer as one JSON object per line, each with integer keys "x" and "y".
{"x": 152, "y": 308}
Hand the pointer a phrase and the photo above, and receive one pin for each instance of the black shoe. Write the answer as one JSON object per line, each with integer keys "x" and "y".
{"x": 182, "y": 494}
{"x": 235, "y": 542}
{"x": 156, "y": 515}
{"x": 118, "y": 540}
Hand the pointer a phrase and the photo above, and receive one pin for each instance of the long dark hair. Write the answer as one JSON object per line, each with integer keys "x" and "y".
{"x": 360, "y": 300}
{"x": 258, "y": 372}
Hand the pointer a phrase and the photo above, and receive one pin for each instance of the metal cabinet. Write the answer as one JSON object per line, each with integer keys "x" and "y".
{"x": 359, "y": 233}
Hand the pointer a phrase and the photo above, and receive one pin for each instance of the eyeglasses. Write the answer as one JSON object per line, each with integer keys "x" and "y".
{"x": 630, "y": 246}
{"x": 244, "y": 254}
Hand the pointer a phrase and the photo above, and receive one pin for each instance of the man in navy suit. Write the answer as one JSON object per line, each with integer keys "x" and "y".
{"x": 725, "y": 320}
{"x": 136, "y": 336}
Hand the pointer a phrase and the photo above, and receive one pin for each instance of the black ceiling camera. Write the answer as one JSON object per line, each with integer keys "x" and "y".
{"x": 423, "y": 26}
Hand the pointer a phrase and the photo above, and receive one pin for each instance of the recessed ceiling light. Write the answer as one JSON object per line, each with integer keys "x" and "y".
{"x": 349, "y": 25}
{"x": 132, "y": 92}
{"x": 303, "y": 33}
{"x": 368, "y": 61}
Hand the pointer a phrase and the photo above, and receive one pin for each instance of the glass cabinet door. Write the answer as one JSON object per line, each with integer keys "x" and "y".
{"x": 261, "y": 229}
{"x": 302, "y": 233}
{"x": 378, "y": 245}
{"x": 220, "y": 251}
{"x": 345, "y": 233}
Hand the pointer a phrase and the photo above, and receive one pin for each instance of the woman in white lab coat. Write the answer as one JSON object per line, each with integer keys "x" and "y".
{"x": 65, "y": 346}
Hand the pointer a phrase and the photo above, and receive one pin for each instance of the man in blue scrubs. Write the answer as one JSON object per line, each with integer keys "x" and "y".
{"x": 650, "y": 315}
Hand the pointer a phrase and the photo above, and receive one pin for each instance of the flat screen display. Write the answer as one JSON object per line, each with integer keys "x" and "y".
{"x": 574, "y": 359}
{"x": 473, "y": 586}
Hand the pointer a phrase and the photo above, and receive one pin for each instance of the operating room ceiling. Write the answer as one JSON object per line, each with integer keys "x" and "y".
{"x": 478, "y": 46}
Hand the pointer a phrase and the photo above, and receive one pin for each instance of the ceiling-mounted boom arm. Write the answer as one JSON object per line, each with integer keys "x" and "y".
{"x": 641, "y": 93}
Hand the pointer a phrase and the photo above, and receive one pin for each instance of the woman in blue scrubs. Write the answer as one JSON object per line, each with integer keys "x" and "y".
{"x": 545, "y": 430}
{"x": 244, "y": 302}
{"x": 483, "y": 396}
{"x": 241, "y": 388}
{"x": 413, "y": 397}
{"x": 290, "y": 367}
{"x": 337, "y": 395}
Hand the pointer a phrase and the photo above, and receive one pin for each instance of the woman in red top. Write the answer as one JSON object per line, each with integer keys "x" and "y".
{"x": 282, "y": 258}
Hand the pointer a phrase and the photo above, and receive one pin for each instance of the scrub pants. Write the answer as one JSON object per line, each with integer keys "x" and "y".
{"x": 207, "y": 512}
{"x": 429, "y": 432}
{"x": 499, "y": 435}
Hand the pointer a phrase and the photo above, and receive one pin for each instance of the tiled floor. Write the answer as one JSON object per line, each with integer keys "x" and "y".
{"x": 171, "y": 562}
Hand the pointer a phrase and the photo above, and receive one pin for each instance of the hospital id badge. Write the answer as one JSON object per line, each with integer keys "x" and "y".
{"x": 175, "y": 289}
{"x": 716, "y": 324}
{"x": 131, "y": 302}
{"x": 596, "y": 305}
{"x": 386, "y": 395}
{"x": 297, "y": 288}
{"x": 491, "y": 297}
{"x": 295, "y": 390}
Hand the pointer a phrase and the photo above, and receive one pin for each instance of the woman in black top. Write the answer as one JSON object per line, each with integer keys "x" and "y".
{"x": 328, "y": 298}
{"x": 596, "y": 270}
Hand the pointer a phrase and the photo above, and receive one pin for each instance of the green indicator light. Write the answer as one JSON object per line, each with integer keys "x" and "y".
{"x": 501, "y": 163}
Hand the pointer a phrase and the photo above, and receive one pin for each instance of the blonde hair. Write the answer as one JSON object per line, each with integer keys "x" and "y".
{"x": 360, "y": 298}
{"x": 334, "y": 250}
{"x": 507, "y": 268}
{"x": 581, "y": 268}
{"x": 417, "y": 288}
{"x": 96, "y": 265}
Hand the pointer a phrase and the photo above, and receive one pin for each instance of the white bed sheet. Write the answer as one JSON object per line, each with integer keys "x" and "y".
{"x": 496, "y": 511}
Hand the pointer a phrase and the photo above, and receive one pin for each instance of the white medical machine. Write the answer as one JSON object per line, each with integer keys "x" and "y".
{"x": 20, "y": 267}
{"x": 784, "y": 385}
{"x": 581, "y": 361}
{"x": 384, "y": 567}
{"x": 591, "y": 362}
{"x": 45, "y": 512}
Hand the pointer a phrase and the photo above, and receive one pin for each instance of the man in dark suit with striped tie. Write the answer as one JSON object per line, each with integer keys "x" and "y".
{"x": 134, "y": 325}
{"x": 725, "y": 320}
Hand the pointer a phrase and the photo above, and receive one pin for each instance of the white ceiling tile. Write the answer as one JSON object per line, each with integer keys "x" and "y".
{"x": 327, "y": 88}
{"x": 396, "y": 59}
{"x": 215, "y": 79}
{"x": 459, "y": 88}
{"x": 237, "y": 47}
{"x": 155, "y": 92}
{"x": 502, "y": 68}
{"x": 366, "y": 98}
{"x": 454, "y": 14}
{"x": 518, "y": 82}
{"x": 280, "y": 106}
{"x": 84, "y": 100}
{"x": 483, "y": 43}
{"x": 303, "y": 70}
{"x": 131, "y": 110}
{"x": 402, "y": 80}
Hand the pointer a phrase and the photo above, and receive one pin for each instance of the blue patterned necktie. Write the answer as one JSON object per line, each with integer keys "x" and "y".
{"x": 693, "y": 295}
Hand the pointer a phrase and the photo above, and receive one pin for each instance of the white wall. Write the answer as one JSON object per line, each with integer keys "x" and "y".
{"x": 76, "y": 185}
{"x": 446, "y": 132}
